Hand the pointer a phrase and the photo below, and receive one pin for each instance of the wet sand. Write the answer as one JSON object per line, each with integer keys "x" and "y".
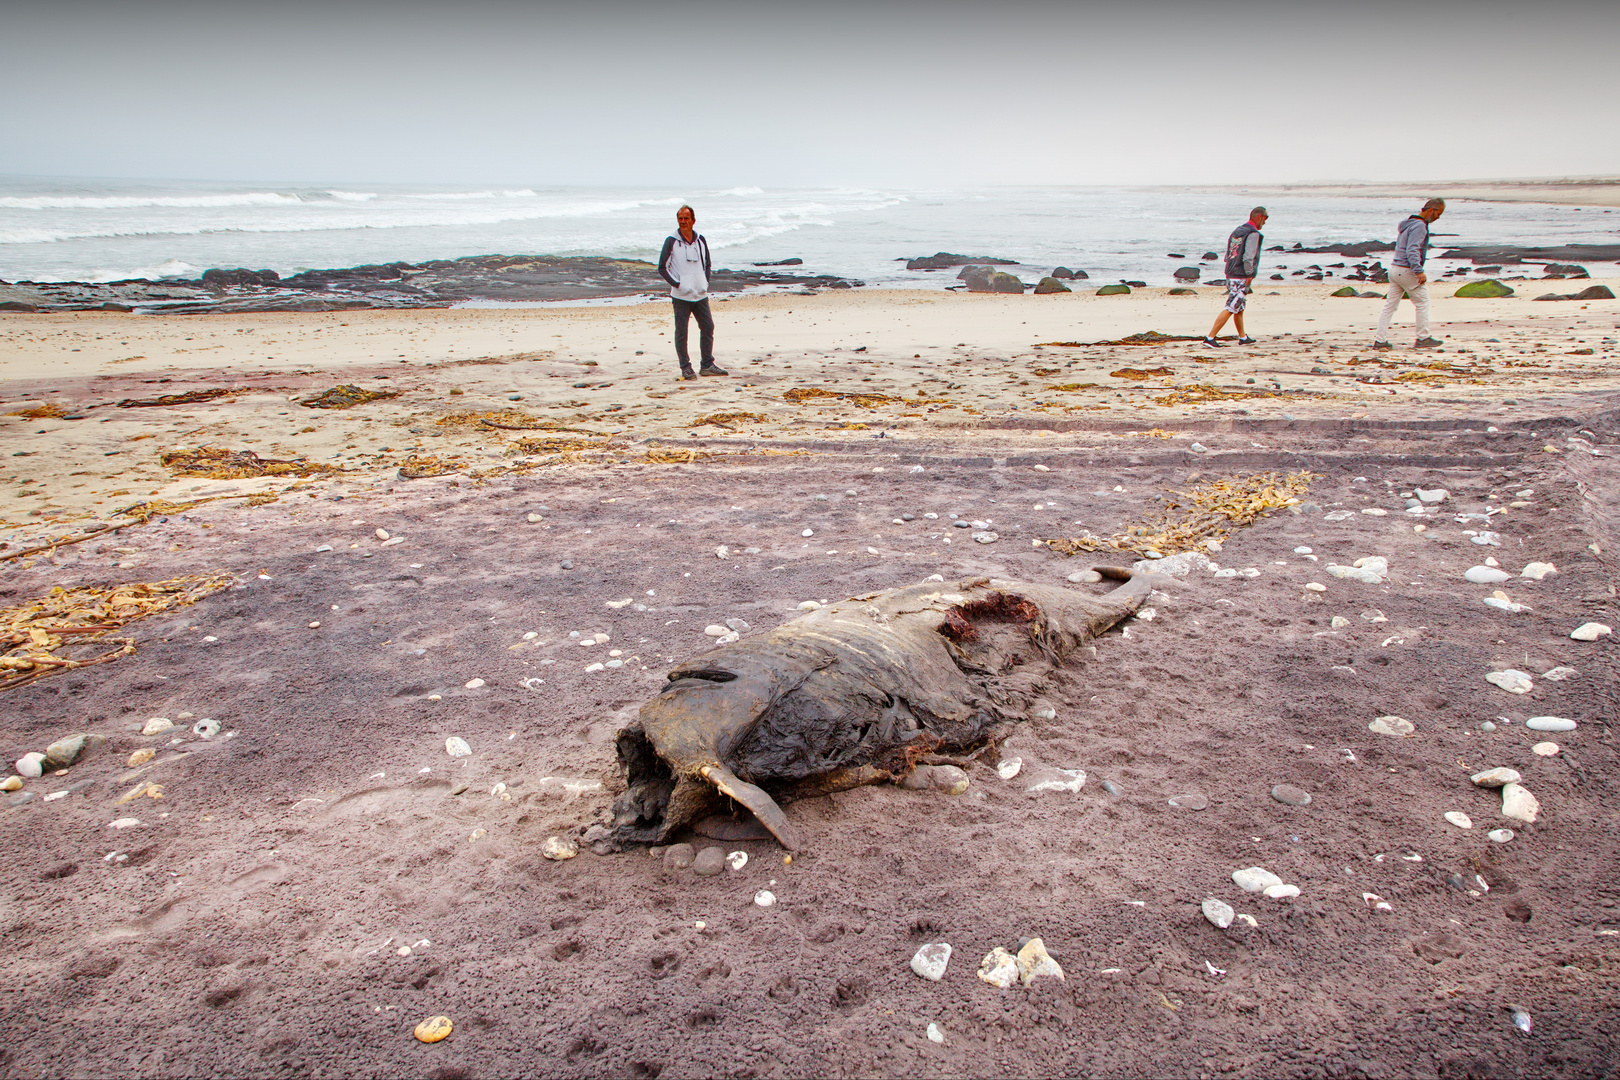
{"x": 256, "y": 922}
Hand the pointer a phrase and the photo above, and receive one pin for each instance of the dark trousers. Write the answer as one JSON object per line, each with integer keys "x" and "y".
{"x": 705, "y": 322}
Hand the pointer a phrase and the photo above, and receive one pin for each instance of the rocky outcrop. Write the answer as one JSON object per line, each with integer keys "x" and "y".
{"x": 1350, "y": 251}
{"x": 944, "y": 260}
{"x": 1049, "y": 285}
{"x": 782, "y": 262}
{"x": 1513, "y": 255}
{"x": 1006, "y": 283}
{"x": 435, "y": 284}
{"x": 976, "y": 278}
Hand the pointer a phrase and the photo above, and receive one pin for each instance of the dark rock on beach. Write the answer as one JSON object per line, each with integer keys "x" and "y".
{"x": 435, "y": 284}
{"x": 1351, "y": 251}
{"x": 1006, "y": 283}
{"x": 1049, "y": 285}
{"x": 1063, "y": 273}
{"x": 1188, "y": 273}
{"x": 782, "y": 262}
{"x": 1596, "y": 292}
{"x": 944, "y": 260}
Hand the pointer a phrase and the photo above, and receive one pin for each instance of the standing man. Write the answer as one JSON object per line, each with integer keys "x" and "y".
{"x": 1242, "y": 263}
{"x": 1406, "y": 277}
{"x": 684, "y": 263}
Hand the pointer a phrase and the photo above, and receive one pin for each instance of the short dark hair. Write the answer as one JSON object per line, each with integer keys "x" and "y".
{"x": 688, "y": 209}
{"x": 1259, "y": 211}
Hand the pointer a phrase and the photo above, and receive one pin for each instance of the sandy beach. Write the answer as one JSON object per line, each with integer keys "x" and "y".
{"x": 293, "y": 894}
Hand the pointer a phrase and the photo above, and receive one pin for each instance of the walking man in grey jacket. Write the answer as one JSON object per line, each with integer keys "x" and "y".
{"x": 1242, "y": 264}
{"x": 684, "y": 263}
{"x": 1406, "y": 276}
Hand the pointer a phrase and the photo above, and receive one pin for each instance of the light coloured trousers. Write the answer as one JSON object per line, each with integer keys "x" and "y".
{"x": 1404, "y": 282}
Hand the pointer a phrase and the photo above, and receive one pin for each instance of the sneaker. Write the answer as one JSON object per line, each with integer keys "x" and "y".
{"x": 1245, "y": 340}
{"x": 1212, "y": 343}
{"x": 1427, "y": 343}
{"x": 1382, "y": 346}
{"x": 687, "y": 372}
{"x": 711, "y": 369}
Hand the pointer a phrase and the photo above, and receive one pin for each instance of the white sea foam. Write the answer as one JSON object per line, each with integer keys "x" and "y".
{"x": 130, "y": 202}
{"x": 353, "y": 196}
{"x": 742, "y": 191}
{"x": 453, "y": 196}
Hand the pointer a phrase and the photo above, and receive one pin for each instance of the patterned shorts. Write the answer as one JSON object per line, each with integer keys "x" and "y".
{"x": 1236, "y": 295}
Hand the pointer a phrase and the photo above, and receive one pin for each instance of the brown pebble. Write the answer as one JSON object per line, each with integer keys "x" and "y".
{"x": 709, "y": 862}
{"x": 679, "y": 856}
{"x": 141, "y": 757}
{"x": 1293, "y": 796}
{"x": 1189, "y": 802}
{"x": 433, "y": 1029}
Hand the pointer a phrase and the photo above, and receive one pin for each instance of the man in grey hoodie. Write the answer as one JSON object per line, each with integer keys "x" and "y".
{"x": 684, "y": 263}
{"x": 1406, "y": 276}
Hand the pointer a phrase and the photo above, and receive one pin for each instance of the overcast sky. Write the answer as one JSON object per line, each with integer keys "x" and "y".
{"x": 824, "y": 93}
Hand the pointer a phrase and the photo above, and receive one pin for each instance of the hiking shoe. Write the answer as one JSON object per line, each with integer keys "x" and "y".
{"x": 687, "y": 373}
{"x": 1382, "y": 346}
{"x": 1427, "y": 343}
{"x": 1245, "y": 340}
{"x": 1212, "y": 343}
{"x": 711, "y": 369}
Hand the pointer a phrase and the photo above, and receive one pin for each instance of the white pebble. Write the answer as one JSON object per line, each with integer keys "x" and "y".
{"x": 808, "y": 605}
{"x": 716, "y": 630}
{"x": 1255, "y": 879}
{"x": 1545, "y": 749}
{"x": 1538, "y": 570}
{"x": 1218, "y": 912}
{"x": 1519, "y": 804}
{"x": 473, "y": 684}
{"x": 1500, "y": 836}
{"x": 1590, "y": 631}
{"x": 1315, "y": 586}
{"x": 1459, "y": 819}
{"x": 737, "y": 860}
{"x": 808, "y": 532}
{"x": 1550, "y": 723}
{"x": 934, "y": 1034}
{"x": 1485, "y": 575}
{"x": 1009, "y": 767}
{"x": 1302, "y": 551}
{"x": 456, "y": 746}
{"x": 1512, "y": 680}
{"x": 764, "y": 898}
{"x": 930, "y": 961}
{"x": 1281, "y": 891}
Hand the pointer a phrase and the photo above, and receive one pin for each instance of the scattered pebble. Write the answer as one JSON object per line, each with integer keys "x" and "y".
{"x": 1493, "y": 778}
{"x": 1190, "y": 801}
{"x": 1485, "y": 575}
{"x": 1076, "y": 780}
{"x": 1433, "y": 495}
{"x": 986, "y": 537}
{"x": 1084, "y": 577}
{"x": 1393, "y": 726}
{"x": 1375, "y": 511}
{"x": 1112, "y": 788}
{"x": 1589, "y": 631}
{"x": 764, "y": 898}
{"x": 1008, "y": 768}
{"x": 1340, "y": 622}
{"x": 456, "y": 746}
{"x": 737, "y": 860}
{"x": 934, "y": 1034}
{"x": 382, "y": 534}
{"x": 1281, "y": 891}
{"x": 808, "y": 532}
{"x": 1512, "y": 680}
{"x": 709, "y": 862}
{"x": 679, "y": 856}
{"x": 473, "y": 684}
{"x": 1545, "y": 749}
{"x": 124, "y": 823}
{"x": 1550, "y": 723}
{"x": 1293, "y": 796}
{"x": 205, "y": 728}
{"x": 1519, "y": 804}
{"x": 157, "y": 725}
{"x": 1500, "y": 836}
{"x": 1034, "y": 962}
{"x": 1315, "y": 586}
{"x": 1218, "y": 912}
{"x": 1459, "y": 819}
{"x": 999, "y": 968}
{"x": 557, "y": 849}
{"x": 433, "y": 1029}
{"x": 930, "y": 960}
{"x": 1538, "y": 570}
{"x": 1521, "y": 1019}
{"x": 716, "y": 630}
{"x": 1487, "y": 727}
{"x": 323, "y": 548}
{"x": 1255, "y": 879}
{"x": 11, "y": 783}
{"x": 1558, "y": 674}
{"x": 808, "y": 605}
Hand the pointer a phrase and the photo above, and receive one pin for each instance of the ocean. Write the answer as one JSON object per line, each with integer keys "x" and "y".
{"x": 108, "y": 230}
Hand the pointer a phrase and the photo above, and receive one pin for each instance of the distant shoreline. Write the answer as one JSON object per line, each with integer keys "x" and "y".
{"x": 1586, "y": 191}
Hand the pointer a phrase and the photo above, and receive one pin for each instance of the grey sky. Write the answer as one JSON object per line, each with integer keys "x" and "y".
{"x": 831, "y": 93}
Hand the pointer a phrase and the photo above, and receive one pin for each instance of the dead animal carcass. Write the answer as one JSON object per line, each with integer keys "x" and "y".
{"x": 852, "y": 693}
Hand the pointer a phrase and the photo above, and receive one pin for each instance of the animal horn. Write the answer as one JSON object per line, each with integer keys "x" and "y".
{"x": 760, "y": 804}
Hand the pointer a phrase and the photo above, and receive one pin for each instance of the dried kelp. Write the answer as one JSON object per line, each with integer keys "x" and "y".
{"x": 801, "y": 394}
{"x": 728, "y": 419}
{"x": 190, "y": 397}
{"x": 49, "y": 411}
{"x": 68, "y": 628}
{"x": 346, "y": 396}
{"x": 1147, "y": 337}
{"x": 1208, "y": 511}
{"x": 1198, "y": 393}
{"x": 218, "y": 463}
{"x": 1142, "y": 373}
